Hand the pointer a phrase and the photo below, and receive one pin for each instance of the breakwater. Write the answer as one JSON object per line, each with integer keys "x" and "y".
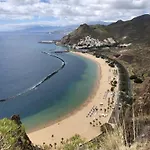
{"x": 40, "y": 82}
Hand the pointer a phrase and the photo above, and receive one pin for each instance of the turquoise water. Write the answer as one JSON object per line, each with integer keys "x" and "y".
{"x": 23, "y": 65}
{"x": 75, "y": 96}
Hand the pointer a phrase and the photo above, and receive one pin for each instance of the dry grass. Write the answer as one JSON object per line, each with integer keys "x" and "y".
{"x": 115, "y": 141}
{"x": 112, "y": 141}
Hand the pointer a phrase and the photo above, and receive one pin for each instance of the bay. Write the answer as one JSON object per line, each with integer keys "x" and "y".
{"x": 22, "y": 65}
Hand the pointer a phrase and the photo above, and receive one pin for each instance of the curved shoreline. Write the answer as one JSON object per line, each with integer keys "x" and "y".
{"x": 74, "y": 111}
{"x": 40, "y": 82}
{"x": 79, "y": 120}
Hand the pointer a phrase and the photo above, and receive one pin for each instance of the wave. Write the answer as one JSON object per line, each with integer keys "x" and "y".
{"x": 34, "y": 87}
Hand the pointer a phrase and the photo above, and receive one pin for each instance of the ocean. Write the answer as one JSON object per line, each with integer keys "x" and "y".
{"x": 23, "y": 65}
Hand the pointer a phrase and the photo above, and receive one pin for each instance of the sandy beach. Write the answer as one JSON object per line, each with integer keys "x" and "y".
{"x": 87, "y": 120}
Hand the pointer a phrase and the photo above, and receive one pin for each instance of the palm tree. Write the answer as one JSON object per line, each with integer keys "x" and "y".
{"x": 55, "y": 144}
{"x": 100, "y": 123}
{"x": 62, "y": 141}
{"x": 50, "y": 145}
{"x": 52, "y": 135}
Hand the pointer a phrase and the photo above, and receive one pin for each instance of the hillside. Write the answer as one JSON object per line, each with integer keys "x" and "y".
{"x": 136, "y": 30}
{"x": 96, "y": 31}
{"x": 135, "y": 58}
{"x": 133, "y": 31}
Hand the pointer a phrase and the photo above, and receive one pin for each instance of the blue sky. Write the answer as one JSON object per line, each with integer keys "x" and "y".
{"x": 18, "y": 14}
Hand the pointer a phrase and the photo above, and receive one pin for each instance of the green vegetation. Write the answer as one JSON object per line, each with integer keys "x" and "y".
{"x": 70, "y": 144}
{"x": 134, "y": 118}
{"x": 9, "y": 134}
{"x": 13, "y": 136}
{"x": 115, "y": 141}
{"x": 138, "y": 80}
{"x": 114, "y": 83}
{"x": 132, "y": 77}
{"x": 112, "y": 89}
{"x": 73, "y": 143}
{"x": 122, "y": 31}
{"x": 110, "y": 139}
{"x": 112, "y": 65}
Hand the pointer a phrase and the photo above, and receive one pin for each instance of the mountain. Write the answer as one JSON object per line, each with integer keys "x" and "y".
{"x": 39, "y": 28}
{"x": 63, "y": 30}
{"x": 96, "y": 31}
{"x": 136, "y": 30}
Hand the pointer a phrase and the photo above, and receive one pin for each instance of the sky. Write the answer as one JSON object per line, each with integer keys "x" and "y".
{"x": 19, "y": 14}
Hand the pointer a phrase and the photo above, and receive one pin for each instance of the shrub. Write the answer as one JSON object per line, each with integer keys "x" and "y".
{"x": 97, "y": 56}
{"x": 138, "y": 80}
{"x": 112, "y": 65}
{"x": 115, "y": 82}
{"x": 73, "y": 143}
{"x": 106, "y": 128}
{"x": 13, "y": 136}
{"x": 107, "y": 61}
{"x": 112, "y": 89}
{"x": 117, "y": 55}
{"x": 133, "y": 77}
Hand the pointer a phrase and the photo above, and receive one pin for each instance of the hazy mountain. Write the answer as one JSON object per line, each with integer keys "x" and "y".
{"x": 39, "y": 28}
{"x": 53, "y": 29}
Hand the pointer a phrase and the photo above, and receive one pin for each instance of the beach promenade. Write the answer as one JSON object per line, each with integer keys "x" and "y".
{"x": 86, "y": 120}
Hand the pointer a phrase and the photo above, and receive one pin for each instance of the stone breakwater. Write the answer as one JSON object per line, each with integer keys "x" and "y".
{"x": 40, "y": 82}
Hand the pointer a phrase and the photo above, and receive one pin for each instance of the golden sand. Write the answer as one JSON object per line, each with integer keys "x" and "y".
{"x": 85, "y": 121}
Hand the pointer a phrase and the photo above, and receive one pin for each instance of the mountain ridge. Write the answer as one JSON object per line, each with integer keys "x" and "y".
{"x": 136, "y": 30}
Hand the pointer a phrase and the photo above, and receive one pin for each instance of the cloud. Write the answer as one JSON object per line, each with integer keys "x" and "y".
{"x": 23, "y": 2}
{"x": 131, "y": 4}
{"x": 73, "y": 11}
